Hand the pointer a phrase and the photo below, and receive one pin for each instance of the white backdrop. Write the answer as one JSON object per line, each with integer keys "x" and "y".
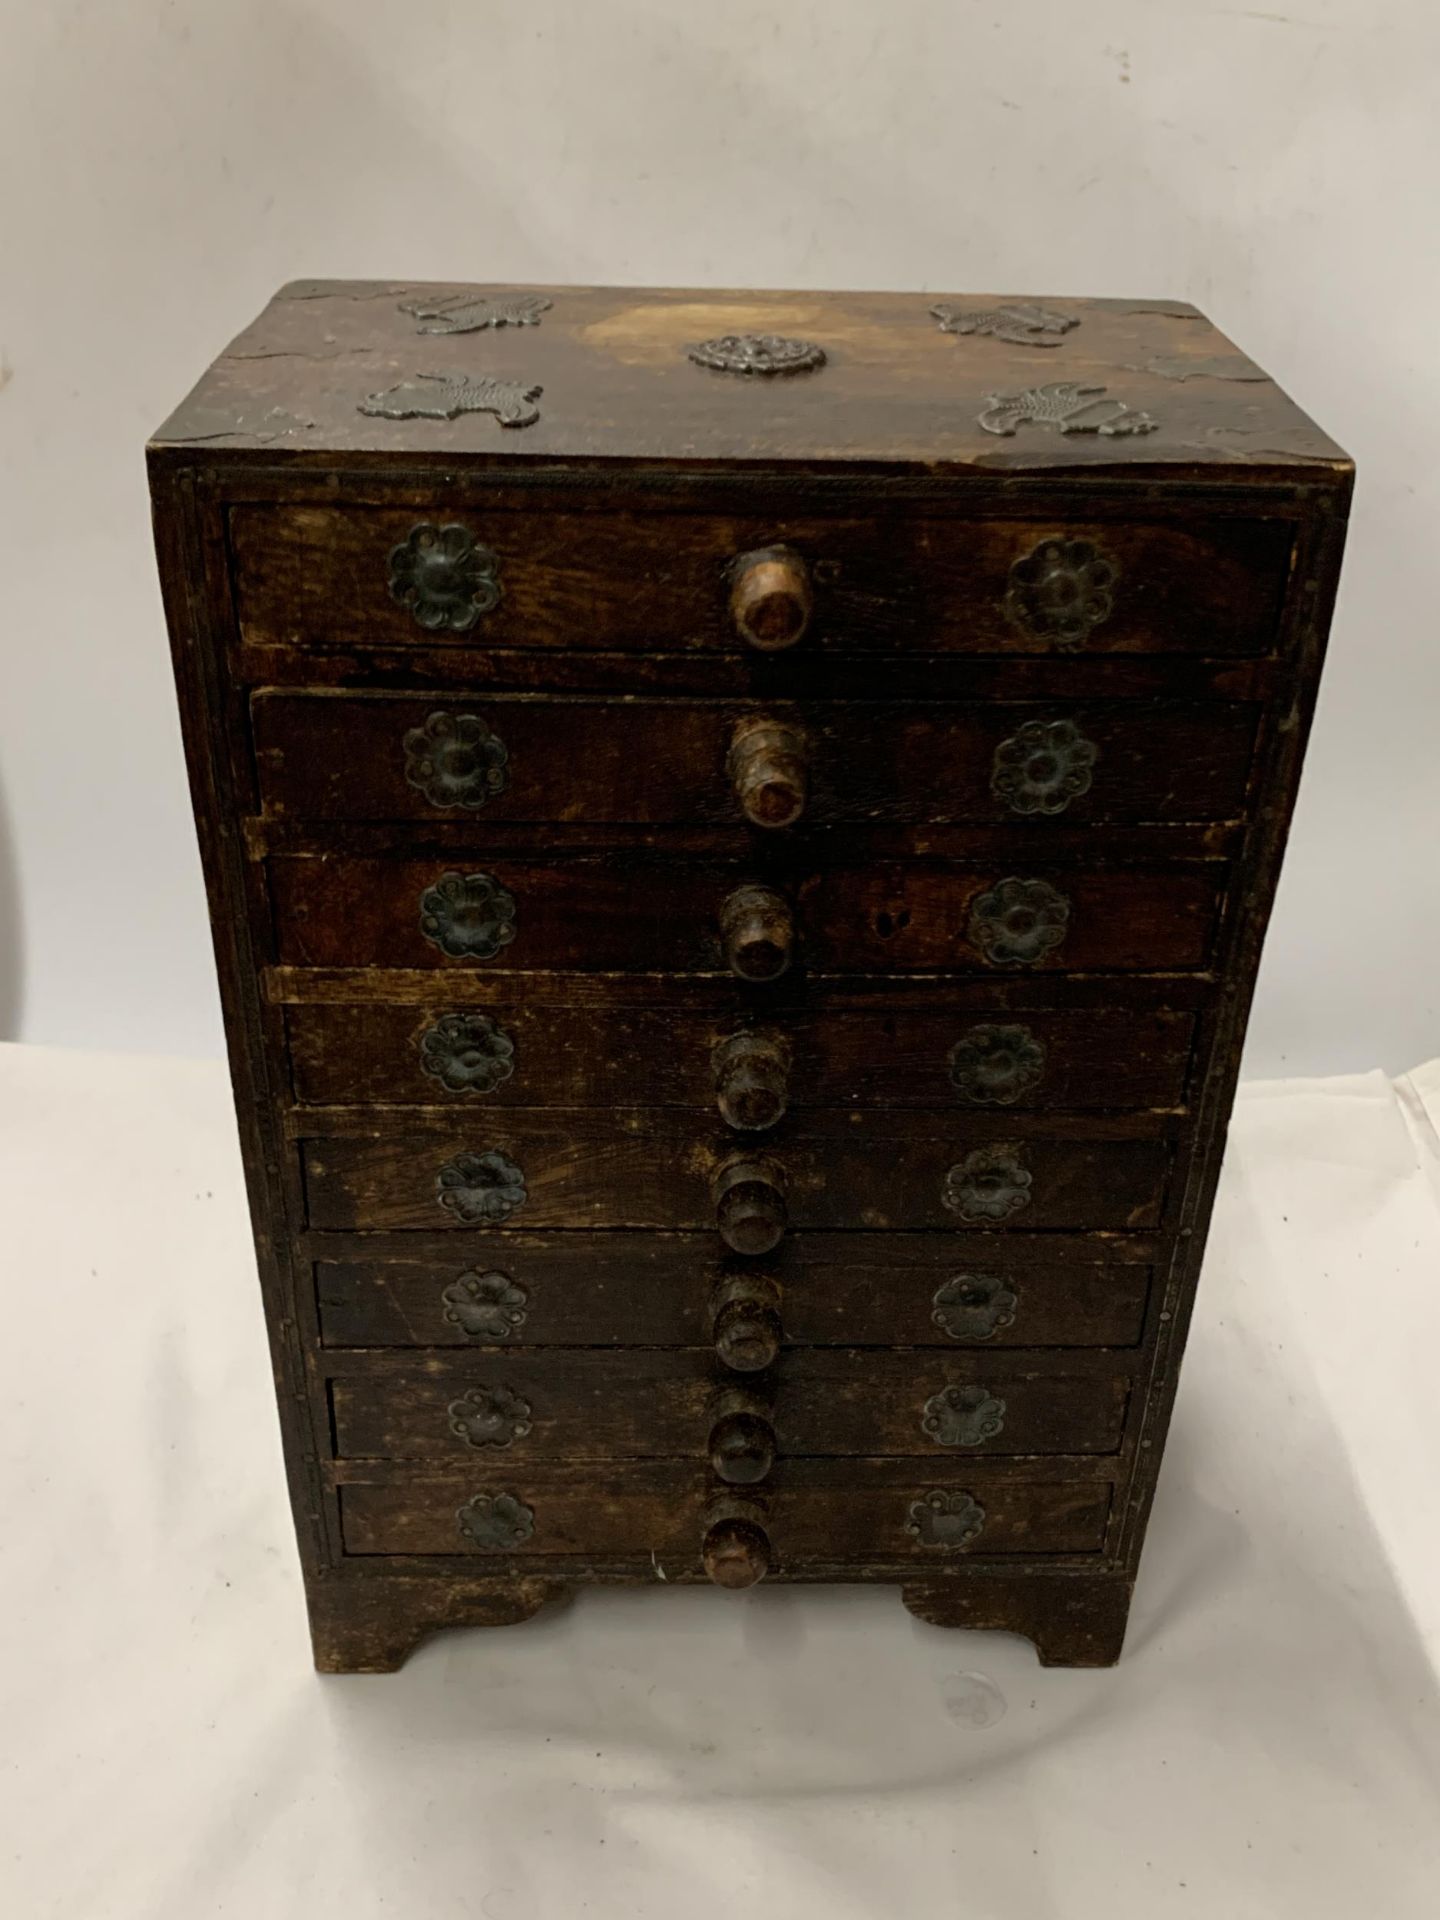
{"x": 164, "y": 166}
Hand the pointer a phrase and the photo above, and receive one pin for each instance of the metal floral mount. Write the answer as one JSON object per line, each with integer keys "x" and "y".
{"x": 468, "y": 916}
{"x": 989, "y": 1184}
{"x": 455, "y": 759}
{"x": 764, "y": 353}
{"x": 965, "y": 1416}
{"x": 484, "y": 1188}
{"x": 467, "y": 1053}
{"x": 1043, "y": 767}
{"x": 495, "y": 1521}
{"x": 1074, "y": 406}
{"x": 443, "y": 577}
{"x": 975, "y": 1306}
{"x": 445, "y": 396}
{"x": 1019, "y": 322}
{"x": 993, "y": 1065}
{"x": 490, "y": 1417}
{"x": 1017, "y": 923}
{"x": 485, "y": 1306}
{"x": 473, "y": 312}
{"x": 1062, "y": 590}
{"x": 945, "y": 1520}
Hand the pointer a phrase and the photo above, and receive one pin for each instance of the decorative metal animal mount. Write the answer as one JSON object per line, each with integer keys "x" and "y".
{"x": 1022, "y": 325}
{"x": 473, "y": 312}
{"x": 445, "y": 396}
{"x": 1071, "y": 405}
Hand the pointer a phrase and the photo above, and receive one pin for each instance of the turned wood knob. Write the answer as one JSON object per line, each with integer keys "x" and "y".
{"x": 751, "y": 1073}
{"x": 745, "y": 1322}
{"x": 757, "y": 932}
{"x": 749, "y": 1198}
{"x": 742, "y": 1440}
{"x": 770, "y": 598}
{"x": 735, "y": 1551}
{"x": 768, "y": 769}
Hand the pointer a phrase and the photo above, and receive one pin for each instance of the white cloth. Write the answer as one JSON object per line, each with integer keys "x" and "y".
{"x": 1268, "y": 1747}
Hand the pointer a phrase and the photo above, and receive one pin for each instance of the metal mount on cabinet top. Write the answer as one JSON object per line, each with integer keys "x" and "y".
{"x": 765, "y": 353}
{"x": 1074, "y": 406}
{"x": 473, "y": 312}
{"x": 1020, "y": 323}
{"x": 445, "y": 396}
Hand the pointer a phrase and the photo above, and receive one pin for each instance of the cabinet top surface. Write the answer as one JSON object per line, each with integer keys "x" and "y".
{"x": 418, "y": 373}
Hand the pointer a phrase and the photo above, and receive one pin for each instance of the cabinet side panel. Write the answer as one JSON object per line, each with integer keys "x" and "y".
{"x": 1305, "y": 626}
{"x": 190, "y": 550}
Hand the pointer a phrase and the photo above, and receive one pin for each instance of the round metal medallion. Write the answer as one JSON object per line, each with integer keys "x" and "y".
{"x": 757, "y": 353}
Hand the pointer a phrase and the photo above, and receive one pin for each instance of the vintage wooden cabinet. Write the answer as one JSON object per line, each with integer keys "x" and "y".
{"x": 739, "y": 828}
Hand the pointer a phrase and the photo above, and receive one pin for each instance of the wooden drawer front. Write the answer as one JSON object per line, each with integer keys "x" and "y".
{"x": 817, "y": 1513}
{"x": 619, "y": 1289}
{"x": 644, "y": 762}
{"x": 648, "y": 1405}
{"x": 654, "y": 1169}
{"x": 635, "y": 912}
{"x": 594, "y": 1056}
{"x": 654, "y": 583}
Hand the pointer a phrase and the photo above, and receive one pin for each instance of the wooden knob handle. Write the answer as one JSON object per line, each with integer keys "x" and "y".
{"x": 742, "y": 1440}
{"x": 757, "y": 932}
{"x": 768, "y": 768}
{"x": 745, "y": 1322}
{"x": 735, "y": 1551}
{"x": 752, "y": 1071}
{"x": 749, "y": 1196}
{"x": 770, "y": 598}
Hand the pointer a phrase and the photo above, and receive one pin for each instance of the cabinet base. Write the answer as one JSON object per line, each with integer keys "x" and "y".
{"x": 1075, "y": 1621}
{"x": 373, "y": 1625}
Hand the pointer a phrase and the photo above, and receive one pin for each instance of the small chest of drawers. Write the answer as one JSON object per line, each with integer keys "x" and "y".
{"x": 739, "y": 829}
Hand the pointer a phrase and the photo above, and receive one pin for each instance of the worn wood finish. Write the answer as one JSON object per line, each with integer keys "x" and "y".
{"x": 821, "y": 1402}
{"x": 988, "y": 731}
{"x": 655, "y": 1169}
{"x": 323, "y": 757}
{"x": 1074, "y": 1621}
{"x": 313, "y": 576}
{"x": 603, "y": 1056}
{"x": 642, "y": 1289}
{"x": 896, "y": 393}
{"x": 830, "y": 1511}
{"x": 644, "y": 911}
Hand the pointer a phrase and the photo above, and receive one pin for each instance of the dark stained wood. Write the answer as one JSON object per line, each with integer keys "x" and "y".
{"x": 641, "y": 1289}
{"x": 654, "y": 1170}
{"x": 648, "y": 912}
{"x": 653, "y": 1514}
{"x": 826, "y": 1402}
{"x": 589, "y": 1056}
{"x": 324, "y": 757}
{"x": 373, "y": 1626}
{"x": 896, "y": 392}
{"x": 711, "y": 633}
{"x": 316, "y": 576}
{"x": 1074, "y": 1620}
